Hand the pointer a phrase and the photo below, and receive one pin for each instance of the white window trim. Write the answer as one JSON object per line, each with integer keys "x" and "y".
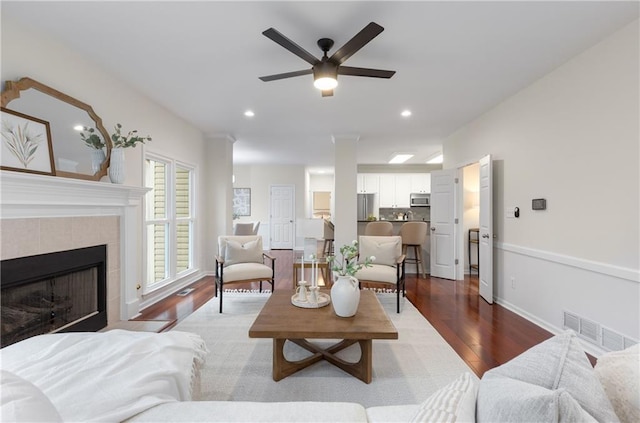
{"x": 171, "y": 219}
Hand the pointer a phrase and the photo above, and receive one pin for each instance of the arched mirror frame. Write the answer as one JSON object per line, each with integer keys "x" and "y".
{"x": 12, "y": 91}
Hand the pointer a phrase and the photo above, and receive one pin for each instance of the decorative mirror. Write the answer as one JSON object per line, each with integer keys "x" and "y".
{"x": 72, "y": 157}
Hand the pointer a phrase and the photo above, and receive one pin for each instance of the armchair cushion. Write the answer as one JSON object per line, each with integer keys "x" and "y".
{"x": 246, "y": 271}
{"x": 386, "y": 249}
{"x": 378, "y": 273}
{"x": 239, "y": 251}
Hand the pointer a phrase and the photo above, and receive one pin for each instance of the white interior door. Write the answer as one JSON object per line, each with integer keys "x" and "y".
{"x": 282, "y": 216}
{"x": 486, "y": 230}
{"x": 443, "y": 228}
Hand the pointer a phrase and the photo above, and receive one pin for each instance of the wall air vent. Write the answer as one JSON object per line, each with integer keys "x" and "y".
{"x": 589, "y": 330}
{"x": 571, "y": 321}
{"x": 611, "y": 340}
{"x": 584, "y": 328}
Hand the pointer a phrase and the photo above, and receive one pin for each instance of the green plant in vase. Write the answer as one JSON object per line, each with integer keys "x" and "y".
{"x": 129, "y": 140}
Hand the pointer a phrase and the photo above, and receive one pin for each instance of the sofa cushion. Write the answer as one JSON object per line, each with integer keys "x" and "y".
{"x": 392, "y": 413}
{"x": 246, "y": 411}
{"x": 22, "y": 401}
{"x": 558, "y": 363}
{"x": 455, "y": 402}
{"x": 243, "y": 252}
{"x": 619, "y": 374}
{"x": 385, "y": 249}
{"x": 114, "y": 374}
{"x": 510, "y": 400}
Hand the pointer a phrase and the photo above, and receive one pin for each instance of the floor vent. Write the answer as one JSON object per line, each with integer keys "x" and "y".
{"x": 611, "y": 340}
{"x": 185, "y": 292}
{"x": 571, "y": 321}
{"x": 629, "y": 342}
{"x": 585, "y": 328}
{"x": 589, "y": 330}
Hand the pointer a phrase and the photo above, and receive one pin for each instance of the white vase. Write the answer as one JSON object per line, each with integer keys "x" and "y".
{"x": 345, "y": 296}
{"x": 116, "y": 166}
{"x": 97, "y": 158}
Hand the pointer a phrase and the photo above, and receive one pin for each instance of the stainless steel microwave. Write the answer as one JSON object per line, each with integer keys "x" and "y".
{"x": 419, "y": 199}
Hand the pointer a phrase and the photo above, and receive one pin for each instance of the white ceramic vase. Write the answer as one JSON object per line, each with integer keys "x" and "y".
{"x": 97, "y": 158}
{"x": 116, "y": 166}
{"x": 345, "y": 296}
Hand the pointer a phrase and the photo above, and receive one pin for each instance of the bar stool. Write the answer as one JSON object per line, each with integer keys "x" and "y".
{"x": 414, "y": 234}
{"x": 378, "y": 229}
{"x": 327, "y": 247}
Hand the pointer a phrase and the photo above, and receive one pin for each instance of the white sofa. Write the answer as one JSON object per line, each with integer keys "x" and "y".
{"x": 153, "y": 378}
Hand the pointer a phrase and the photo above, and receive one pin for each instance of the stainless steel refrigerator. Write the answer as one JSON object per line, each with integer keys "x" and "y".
{"x": 366, "y": 206}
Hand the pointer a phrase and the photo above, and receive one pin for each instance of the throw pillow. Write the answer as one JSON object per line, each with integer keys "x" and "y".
{"x": 501, "y": 399}
{"x": 557, "y": 363}
{"x": 22, "y": 401}
{"x": 619, "y": 373}
{"x": 247, "y": 252}
{"x": 386, "y": 249}
{"x": 455, "y": 402}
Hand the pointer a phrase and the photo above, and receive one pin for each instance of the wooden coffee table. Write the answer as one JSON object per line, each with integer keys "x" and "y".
{"x": 282, "y": 321}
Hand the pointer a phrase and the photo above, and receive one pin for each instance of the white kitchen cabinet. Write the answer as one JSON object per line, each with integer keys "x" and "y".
{"x": 421, "y": 182}
{"x": 368, "y": 183}
{"x": 395, "y": 190}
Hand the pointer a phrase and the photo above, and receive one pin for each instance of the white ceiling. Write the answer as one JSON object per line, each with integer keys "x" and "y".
{"x": 202, "y": 60}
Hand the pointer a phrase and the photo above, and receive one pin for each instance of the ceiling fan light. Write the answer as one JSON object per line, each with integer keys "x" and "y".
{"x": 325, "y": 83}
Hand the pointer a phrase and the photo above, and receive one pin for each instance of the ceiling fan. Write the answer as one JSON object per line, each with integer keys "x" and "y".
{"x": 326, "y": 70}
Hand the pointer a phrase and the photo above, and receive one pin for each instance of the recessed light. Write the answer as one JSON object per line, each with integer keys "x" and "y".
{"x": 406, "y": 113}
{"x": 249, "y": 113}
{"x": 78, "y": 127}
{"x": 400, "y": 158}
{"x": 436, "y": 160}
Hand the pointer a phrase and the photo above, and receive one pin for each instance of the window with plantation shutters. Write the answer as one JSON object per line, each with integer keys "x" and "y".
{"x": 169, "y": 221}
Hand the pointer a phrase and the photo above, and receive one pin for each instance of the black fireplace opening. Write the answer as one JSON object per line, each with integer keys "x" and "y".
{"x": 65, "y": 291}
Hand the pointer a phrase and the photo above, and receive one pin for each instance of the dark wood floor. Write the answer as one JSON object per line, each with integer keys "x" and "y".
{"x": 484, "y": 335}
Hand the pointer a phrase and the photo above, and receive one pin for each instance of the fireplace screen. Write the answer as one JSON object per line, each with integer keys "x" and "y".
{"x": 51, "y": 292}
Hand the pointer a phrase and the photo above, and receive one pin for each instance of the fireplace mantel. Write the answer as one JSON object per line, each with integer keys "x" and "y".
{"x": 25, "y": 195}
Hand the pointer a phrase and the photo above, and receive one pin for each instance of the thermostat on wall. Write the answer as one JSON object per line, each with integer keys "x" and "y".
{"x": 538, "y": 204}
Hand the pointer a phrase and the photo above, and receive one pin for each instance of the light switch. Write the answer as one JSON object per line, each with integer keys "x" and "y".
{"x": 509, "y": 212}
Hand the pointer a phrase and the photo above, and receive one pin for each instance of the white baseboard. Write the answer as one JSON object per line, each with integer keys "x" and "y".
{"x": 542, "y": 286}
{"x": 590, "y": 348}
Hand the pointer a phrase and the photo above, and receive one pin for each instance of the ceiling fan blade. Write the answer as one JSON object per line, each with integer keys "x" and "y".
{"x": 367, "y": 34}
{"x": 286, "y": 75}
{"x": 276, "y": 36}
{"x": 373, "y": 73}
{"x": 327, "y": 93}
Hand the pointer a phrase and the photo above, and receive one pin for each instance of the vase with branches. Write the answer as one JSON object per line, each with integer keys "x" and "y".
{"x": 345, "y": 292}
{"x": 120, "y": 142}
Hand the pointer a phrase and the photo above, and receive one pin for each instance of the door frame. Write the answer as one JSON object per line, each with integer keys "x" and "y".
{"x": 293, "y": 214}
{"x": 460, "y": 236}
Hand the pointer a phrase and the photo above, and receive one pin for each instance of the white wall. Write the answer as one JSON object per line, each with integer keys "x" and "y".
{"x": 260, "y": 178}
{"x": 26, "y": 53}
{"x": 573, "y": 138}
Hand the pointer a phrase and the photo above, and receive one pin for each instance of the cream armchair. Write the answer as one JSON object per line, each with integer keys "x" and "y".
{"x": 388, "y": 267}
{"x": 241, "y": 259}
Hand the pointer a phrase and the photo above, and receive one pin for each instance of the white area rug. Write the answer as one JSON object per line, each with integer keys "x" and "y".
{"x": 238, "y": 368}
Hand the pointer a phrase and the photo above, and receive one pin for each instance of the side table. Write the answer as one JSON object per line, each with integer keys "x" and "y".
{"x": 323, "y": 265}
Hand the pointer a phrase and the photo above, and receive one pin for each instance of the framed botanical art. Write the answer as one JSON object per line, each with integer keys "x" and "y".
{"x": 26, "y": 144}
{"x": 242, "y": 201}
